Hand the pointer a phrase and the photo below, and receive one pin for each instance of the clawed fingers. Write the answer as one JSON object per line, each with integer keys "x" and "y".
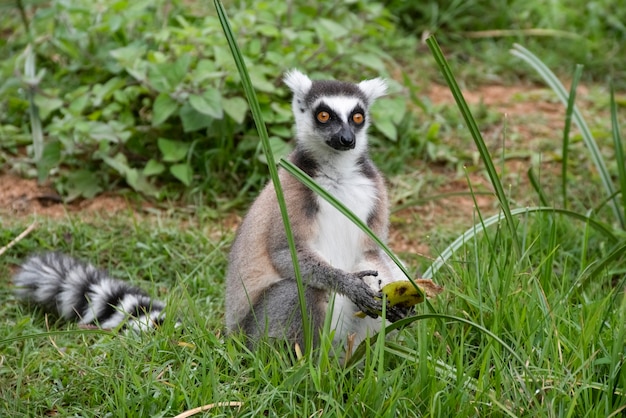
{"x": 396, "y": 313}
{"x": 365, "y": 273}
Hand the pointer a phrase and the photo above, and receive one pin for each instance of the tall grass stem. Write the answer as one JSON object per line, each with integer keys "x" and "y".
{"x": 255, "y": 108}
{"x": 596, "y": 156}
{"x": 566, "y": 130}
{"x": 478, "y": 139}
{"x": 619, "y": 151}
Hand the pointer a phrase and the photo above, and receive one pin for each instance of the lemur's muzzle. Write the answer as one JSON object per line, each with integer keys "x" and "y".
{"x": 344, "y": 139}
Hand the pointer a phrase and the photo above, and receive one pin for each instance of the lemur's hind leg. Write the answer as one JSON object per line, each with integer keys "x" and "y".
{"x": 277, "y": 313}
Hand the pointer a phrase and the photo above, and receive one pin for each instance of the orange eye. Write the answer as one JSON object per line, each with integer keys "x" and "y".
{"x": 323, "y": 116}
{"x": 358, "y": 118}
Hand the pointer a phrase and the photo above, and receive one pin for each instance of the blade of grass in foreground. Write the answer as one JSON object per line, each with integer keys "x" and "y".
{"x": 478, "y": 139}
{"x": 534, "y": 181}
{"x": 568, "y": 123}
{"x": 467, "y": 235}
{"x": 358, "y": 354}
{"x": 554, "y": 83}
{"x": 308, "y": 182}
{"x": 35, "y": 119}
{"x": 619, "y": 151}
{"x": 262, "y": 130}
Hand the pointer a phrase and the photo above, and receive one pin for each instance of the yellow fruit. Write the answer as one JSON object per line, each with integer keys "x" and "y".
{"x": 403, "y": 294}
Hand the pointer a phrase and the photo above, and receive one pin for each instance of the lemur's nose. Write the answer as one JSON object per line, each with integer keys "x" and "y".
{"x": 345, "y": 138}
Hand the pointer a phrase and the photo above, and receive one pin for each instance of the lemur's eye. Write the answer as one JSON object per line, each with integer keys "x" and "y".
{"x": 358, "y": 118}
{"x": 323, "y": 116}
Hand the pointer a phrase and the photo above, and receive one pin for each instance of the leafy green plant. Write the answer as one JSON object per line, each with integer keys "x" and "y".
{"x": 147, "y": 93}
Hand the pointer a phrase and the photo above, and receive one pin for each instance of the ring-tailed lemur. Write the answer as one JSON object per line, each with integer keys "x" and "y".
{"x": 338, "y": 262}
{"x": 78, "y": 291}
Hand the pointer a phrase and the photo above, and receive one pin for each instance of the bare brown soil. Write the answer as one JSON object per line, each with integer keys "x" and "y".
{"x": 23, "y": 197}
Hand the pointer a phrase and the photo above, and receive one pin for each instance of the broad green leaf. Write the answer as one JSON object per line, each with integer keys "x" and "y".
{"x": 172, "y": 151}
{"x": 128, "y": 54}
{"x": 387, "y": 128}
{"x": 104, "y": 91}
{"x": 236, "y": 108}
{"x": 282, "y": 131}
{"x": 47, "y": 105}
{"x": 50, "y": 158}
{"x": 330, "y": 26}
{"x": 176, "y": 72}
{"x": 82, "y": 183}
{"x": 112, "y": 131}
{"x": 387, "y": 114}
{"x": 279, "y": 147}
{"x": 164, "y": 106}
{"x": 119, "y": 163}
{"x": 370, "y": 60}
{"x": 137, "y": 180}
{"x": 259, "y": 81}
{"x": 192, "y": 119}
{"x": 153, "y": 168}
{"x": 79, "y": 104}
{"x": 269, "y": 31}
{"x": 209, "y": 103}
{"x": 206, "y": 70}
{"x": 182, "y": 172}
{"x": 157, "y": 76}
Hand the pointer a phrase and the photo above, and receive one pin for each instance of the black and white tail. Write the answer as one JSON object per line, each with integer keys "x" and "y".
{"x": 80, "y": 292}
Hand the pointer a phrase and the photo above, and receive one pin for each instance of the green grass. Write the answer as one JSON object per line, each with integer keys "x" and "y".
{"x": 558, "y": 352}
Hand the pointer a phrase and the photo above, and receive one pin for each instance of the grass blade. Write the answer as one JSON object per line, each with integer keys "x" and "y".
{"x": 554, "y": 83}
{"x": 358, "y": 354}
{"x": 619, "y": 151}
{"x": 271, "y": 163}
{"x": 476, "y": 135}
{"x": 467, "y": 235}
{"x": 308, "y": 182}
{"x": 35, "y": 120}
{"x": 534, "y": 181}
{"x": 568, "y": 123}
{"x": 604, "y": 263}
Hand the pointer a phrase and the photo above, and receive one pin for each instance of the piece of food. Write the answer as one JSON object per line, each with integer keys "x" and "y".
{"x": 403, "y": 294}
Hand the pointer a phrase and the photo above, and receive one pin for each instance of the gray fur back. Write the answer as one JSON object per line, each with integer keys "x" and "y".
{"x": 78, "y": 291}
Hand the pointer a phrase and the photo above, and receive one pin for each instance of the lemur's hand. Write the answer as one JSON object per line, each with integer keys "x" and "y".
{"x": 398, "y": 312}
{"x": 363, "y": 296}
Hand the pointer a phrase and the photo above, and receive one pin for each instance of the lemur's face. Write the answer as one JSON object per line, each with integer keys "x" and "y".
{"x": 338, "y": 120}
{"x": 332, "y": 114}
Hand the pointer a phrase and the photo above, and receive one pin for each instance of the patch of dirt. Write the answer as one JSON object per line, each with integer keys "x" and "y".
{"x": 530, "y": 113}
{"x": 23, "y": 197}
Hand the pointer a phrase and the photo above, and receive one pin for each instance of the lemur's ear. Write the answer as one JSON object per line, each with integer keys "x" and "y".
{"x": 373, "y": 89}
{"x": 299, "y": 83}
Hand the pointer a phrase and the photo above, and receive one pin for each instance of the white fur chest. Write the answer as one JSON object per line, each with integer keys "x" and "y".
{"x": 340, "y": 242}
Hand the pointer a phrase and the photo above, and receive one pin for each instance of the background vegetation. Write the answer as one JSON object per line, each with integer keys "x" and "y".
{"x": 144, "y": 96}
{"x": 101, "y": 95}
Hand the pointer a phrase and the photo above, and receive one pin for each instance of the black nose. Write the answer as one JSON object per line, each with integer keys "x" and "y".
{"x": 347, "y": 140}
{"x": 343, "y": 140}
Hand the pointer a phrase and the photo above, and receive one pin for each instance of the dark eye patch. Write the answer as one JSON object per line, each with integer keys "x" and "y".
{"x": 333, "y": 117}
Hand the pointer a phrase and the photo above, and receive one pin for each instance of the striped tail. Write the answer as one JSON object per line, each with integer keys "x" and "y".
{"x": 78, "y": 291}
